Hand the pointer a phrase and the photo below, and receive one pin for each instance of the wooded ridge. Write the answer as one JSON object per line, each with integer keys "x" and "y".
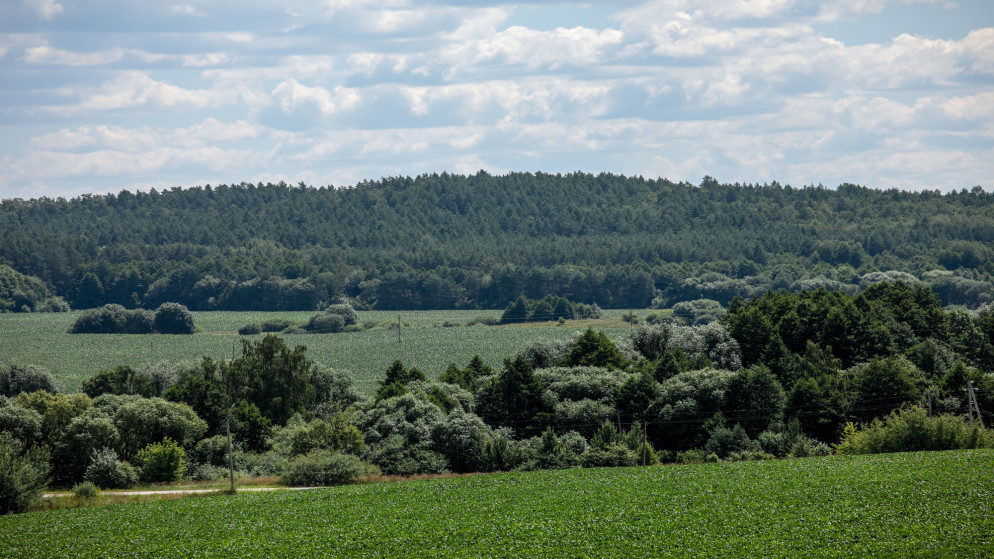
{"x": 451, "y": 241}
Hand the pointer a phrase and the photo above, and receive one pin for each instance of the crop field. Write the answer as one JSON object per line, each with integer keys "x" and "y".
{"x": 897, "y": 505}
{"x": 424, "y": 342}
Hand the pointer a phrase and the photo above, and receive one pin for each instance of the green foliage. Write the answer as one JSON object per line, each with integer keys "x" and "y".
{"x": 910, "y": 429}
{"x": 23, "y": 474}
{"x": 396, "y": 380}
{"x": 594, "y": 349}
{"x": 21, "y": 293}
{"x": 114, "y": 319}
{"x": 107, "y": 471}
{"x": 512, "y": 398}
{"x": 754, "y": 400}
{"x": 15, "y": 379}
{"x": 338, "y": 433}
{"x": 143, "y": 422}
{"x": 83, "y": 436}
{"x": 173, "y": 318}
{"x": 84, "y": 491}
{"x": 21, "y": 423}
{"x": 883, "y": 385}
{"x": 724, "y": 441}
{"x": 250, "y": 329}
{"x": 56, "y": 410}
{"x": 169, "y": 318}
{"x": 324, "y": 467}
{"x": 120, "y": 380}
{"x": 163, "y": 461}
{"x": 548, "y": 308}
{"x": 275, "y": 378}
{"x": 469, "y": 377}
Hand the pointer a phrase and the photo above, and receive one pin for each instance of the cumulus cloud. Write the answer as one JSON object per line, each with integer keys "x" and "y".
{"x": 45, "y": 9}
{"x": 339, "y": 90}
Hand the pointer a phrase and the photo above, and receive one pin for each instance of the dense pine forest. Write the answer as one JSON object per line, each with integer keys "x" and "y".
{"x": 480, "y": 241}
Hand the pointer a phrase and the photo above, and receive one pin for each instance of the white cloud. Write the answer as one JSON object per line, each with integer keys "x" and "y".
{"x": 543, "y": 49}
{"x": 133, "y": 89}
{"x": 291, "y": 96}
{"x": 46, "y": 9}
{"x": 48, "y": 55}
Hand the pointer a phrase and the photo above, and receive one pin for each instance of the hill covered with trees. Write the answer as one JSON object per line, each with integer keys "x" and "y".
{"x": 451, "y": 241}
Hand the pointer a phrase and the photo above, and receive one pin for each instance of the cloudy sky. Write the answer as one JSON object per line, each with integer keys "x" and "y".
{"x": 104, "y": 95}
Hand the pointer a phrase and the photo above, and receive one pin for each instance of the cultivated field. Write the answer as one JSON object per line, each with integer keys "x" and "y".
{"x": 897, "y": 505}
{"x": 41, "y": 339}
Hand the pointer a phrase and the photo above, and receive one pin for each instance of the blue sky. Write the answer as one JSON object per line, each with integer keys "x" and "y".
{"x": 104, "y": 95}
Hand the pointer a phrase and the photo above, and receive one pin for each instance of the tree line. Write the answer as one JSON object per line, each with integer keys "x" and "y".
{"x": 442, "y": 241}
{"x": 785, "y": 374}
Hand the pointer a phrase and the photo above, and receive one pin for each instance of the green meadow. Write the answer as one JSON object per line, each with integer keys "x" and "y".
{"x": 424, "y": 342}
{"x": 938, "y": 504}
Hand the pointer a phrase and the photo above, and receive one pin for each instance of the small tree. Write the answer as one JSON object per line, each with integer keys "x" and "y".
{"x": 23, "y": 475}
{"x": 108, "y": 472}
{"x": 162, "y": 462}
{"x": 173, "y": 318}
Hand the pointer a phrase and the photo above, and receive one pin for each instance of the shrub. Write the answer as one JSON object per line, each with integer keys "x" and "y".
{"x": 15, "y": 379}
{"x": 324, "y": 467}
{"x": 84, "y": 490}
{"x": 276, "y": 325}
{"x": 211, "y": 451}
{"x": 107, "y": 471}
{"x": 910, "y": 429}
{"x": 173, "y": 318}
{"x": 23, "y": 475}
{"x": 250, "y": 330}
{"x": 348, "y": 314}
{"x": 725, "y": 441}
{"x": 206, "y": 472}
{"x": 484, "y": 320}
{"x": 162, "y": 462}
{"x": 326, "y": 324}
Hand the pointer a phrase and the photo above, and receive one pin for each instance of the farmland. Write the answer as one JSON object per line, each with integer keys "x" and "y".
{"x": 41, "y": 339}
{"x": 912, "y": 504}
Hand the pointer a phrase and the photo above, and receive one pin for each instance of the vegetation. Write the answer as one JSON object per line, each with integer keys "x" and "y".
{"x": 845, "y": 506}
{"x": 478, "y": 242}
{"x": 169, "y": 318}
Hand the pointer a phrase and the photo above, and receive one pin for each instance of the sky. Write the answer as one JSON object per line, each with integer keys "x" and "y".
{"x": 100, "y": 96}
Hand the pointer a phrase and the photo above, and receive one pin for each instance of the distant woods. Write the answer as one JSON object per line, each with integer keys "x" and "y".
{"x": 481, "y": 241}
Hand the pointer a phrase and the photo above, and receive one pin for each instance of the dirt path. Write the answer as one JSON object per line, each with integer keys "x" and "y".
{"x": 179, "y": 491}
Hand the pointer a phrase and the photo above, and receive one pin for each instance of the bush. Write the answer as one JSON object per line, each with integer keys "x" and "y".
{"x": 326, "y": 324}
{"x": 84, "y": 490}
{"x": 23, "y": 475}
{"x": 162, "y": 462}
{"x": 276, "y": 325}
{"x": 324, "y": 467}
{"x": 910, "y": 429}
{"x": 250, "y": 330}
{"x": 725, "y": 441}
{"x": 173, "y": 318}
{"x": 206, "y": 472}
{"x": 484, "y": 320}
{"x": 107, "y": 471}
{"x": 15, "y": 379}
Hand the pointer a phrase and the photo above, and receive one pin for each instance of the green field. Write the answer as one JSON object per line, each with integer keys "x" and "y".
{"x": 41, "y": 339}
{"x": 896, "y": 505}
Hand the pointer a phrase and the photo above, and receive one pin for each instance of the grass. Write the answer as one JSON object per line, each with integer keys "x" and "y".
{"x": 895, "y": 505}
{"x": 41, "y": 339}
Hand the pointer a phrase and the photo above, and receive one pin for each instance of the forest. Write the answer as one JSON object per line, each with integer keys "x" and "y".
{"x": 782, "y": 375}
{"x": 443, "y": 241}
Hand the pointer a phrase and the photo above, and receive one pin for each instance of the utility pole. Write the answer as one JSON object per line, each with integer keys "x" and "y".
{"x": 645, "y": 426}
{"x": 398, "y": 329}
{"x": 971, "y": 403}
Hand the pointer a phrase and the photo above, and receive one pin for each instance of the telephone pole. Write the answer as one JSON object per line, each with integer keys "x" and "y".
{"x": 971, "y": 403}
